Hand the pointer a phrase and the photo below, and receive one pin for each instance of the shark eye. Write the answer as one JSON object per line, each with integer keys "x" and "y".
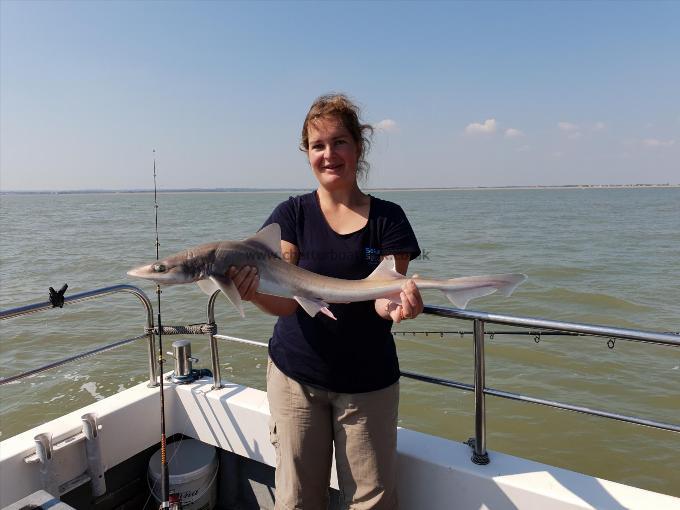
{"x": 159, "y": 268}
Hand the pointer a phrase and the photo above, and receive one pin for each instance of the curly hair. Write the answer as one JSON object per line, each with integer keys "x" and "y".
{"x": 340, "y": 107}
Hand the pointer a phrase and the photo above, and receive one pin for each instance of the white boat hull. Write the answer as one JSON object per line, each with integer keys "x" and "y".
{"x": 434, "y": 473}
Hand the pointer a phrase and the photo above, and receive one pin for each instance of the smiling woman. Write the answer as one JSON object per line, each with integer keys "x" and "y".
{"x": 333, "y": 154}
{"x": 335, "y": 382}
{"x": 335, "y": 112}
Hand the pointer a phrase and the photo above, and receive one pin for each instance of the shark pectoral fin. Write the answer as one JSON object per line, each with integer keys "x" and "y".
{"x": 386, "y": 270}
{"x": 314, "y": 306}
{"x": 207, "y": 286}
{"x": 230, "y": 291}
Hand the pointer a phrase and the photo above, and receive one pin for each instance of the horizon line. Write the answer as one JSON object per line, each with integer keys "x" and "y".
{"x": 302, "y": 188}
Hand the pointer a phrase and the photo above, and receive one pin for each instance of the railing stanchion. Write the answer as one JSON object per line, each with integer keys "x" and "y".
{"x": 214, "y": 353}
{"x": 479, "y": 455}
{"x": 153, "y": 360}
{"x": 153, "y": 355}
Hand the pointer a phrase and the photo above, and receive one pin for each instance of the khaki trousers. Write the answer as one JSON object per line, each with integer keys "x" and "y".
{"x": 306, "y": 421}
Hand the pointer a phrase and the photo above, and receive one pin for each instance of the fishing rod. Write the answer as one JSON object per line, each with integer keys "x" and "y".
{"x": 165, "y": 475}
{"x": 611, "y": 342}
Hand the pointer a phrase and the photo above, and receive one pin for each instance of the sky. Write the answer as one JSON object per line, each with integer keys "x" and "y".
{"x": 462, "y": 94}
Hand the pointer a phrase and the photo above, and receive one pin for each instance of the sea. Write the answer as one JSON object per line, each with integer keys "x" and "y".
{"x": 598, "y": 256}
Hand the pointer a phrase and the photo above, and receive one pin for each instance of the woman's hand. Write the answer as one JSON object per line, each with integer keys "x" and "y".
{"x": 411, "y": 303}
{"x": 246, "y": 279}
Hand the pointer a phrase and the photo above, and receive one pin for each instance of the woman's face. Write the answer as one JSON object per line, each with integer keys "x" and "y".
{"x": 333, "y": 154}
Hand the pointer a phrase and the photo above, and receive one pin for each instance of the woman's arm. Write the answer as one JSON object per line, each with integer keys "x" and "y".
{"x": 247, "y": 281}
{"x": 411, "y": 300}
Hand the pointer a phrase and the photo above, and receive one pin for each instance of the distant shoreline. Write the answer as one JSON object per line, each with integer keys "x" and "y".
{"x": 282, "y": 190}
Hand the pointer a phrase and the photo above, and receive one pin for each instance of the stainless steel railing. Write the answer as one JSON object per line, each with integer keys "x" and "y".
{"x": 86, "y": 296}
{"x": 479, "y": 320}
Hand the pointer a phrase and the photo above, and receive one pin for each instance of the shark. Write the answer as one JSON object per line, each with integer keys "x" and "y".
{"x": 208, "y": 265}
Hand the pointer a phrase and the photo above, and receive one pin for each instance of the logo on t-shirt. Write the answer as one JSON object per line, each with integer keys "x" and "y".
{"x": 372, "y": 255}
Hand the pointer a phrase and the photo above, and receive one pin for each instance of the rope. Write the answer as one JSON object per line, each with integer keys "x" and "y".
{"x": 191, "y": 329}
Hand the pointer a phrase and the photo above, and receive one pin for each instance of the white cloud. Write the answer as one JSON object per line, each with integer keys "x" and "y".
{"x": 489, "y": 127}
{"x": 599, "y": 126}
{"x": 523, "y": 148}
{"x": 387, "y": 125}
{"x": 575, "y": 135}
{"x": 513, "y": 133}
{"x": 653, "y": 142}
{"x": 567, "y": 126}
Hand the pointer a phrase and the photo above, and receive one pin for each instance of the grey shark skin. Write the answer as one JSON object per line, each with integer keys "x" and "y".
{"x": 207, "y": 265}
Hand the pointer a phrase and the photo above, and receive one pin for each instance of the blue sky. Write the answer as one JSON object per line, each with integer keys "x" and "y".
{"x": 465, "y": 94}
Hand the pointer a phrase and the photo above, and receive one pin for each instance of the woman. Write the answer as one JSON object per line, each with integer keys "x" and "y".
{"x": 336, "y": 381}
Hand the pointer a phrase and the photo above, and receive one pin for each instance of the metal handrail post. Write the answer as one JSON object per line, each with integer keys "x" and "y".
{"x": 214, "y": 352}
{"x": 153, "y": 360}
{"x": 479, "y": 454}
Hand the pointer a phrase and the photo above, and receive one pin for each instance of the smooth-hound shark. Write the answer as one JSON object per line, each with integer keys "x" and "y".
{"x": 208, "y": 266}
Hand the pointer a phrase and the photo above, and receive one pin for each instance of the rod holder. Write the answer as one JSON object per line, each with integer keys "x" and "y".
{"x": 44, "y": 451}
{"x": 93, "y": 451}
{"x": 184, "y": 372}
{"x": 181, "y": 351}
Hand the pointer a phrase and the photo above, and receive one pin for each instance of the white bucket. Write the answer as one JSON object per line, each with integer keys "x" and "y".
{"x": 193, "y": 471}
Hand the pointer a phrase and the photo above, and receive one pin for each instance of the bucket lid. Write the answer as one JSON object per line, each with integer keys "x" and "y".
{"x": 188, "y": 459}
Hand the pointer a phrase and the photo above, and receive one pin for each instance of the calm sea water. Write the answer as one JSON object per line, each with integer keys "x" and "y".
{"x": 604, "y": 256}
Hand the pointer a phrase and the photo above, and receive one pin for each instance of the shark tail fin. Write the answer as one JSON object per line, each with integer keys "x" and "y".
{"x": 461, "y": 291}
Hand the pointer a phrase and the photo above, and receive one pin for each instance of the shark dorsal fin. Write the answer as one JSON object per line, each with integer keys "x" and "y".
{"x": 269, "y": 236}
{"x": 386, "y": 270}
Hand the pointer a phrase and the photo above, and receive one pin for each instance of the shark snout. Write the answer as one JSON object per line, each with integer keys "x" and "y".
{"x": 141, "y": 272}
{"x": 164, "y": 271}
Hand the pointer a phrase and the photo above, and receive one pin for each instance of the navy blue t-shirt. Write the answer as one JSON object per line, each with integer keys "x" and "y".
{"x": 356, "y": 352}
